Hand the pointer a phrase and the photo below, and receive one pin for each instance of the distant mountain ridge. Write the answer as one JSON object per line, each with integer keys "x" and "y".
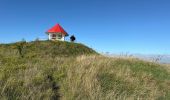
{"x": 164, "y": 59}
{"x": 160, "y": 58}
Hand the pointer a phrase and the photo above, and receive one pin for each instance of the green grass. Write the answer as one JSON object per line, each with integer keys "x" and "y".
{"x": 50, "y": 70}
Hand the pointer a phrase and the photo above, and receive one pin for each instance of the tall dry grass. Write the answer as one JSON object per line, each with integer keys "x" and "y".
{"x": 46, "y": 74}
{"x": 97, "y": 77}
{"x": 84, "y": 77}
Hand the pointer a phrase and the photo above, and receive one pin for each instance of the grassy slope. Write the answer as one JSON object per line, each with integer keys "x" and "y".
{"x": 51, "y": 70}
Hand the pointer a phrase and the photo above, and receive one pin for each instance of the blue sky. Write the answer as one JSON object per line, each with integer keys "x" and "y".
{"x": 115, "y": 26}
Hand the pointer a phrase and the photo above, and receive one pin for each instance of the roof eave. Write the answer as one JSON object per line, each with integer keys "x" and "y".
{"x": 66, "y": 34}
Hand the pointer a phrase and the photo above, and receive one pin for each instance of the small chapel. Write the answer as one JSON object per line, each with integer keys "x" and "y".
{"x": 57, "y": 33}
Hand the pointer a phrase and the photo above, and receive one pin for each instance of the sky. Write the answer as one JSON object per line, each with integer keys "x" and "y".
{"x": 114, "y": 26}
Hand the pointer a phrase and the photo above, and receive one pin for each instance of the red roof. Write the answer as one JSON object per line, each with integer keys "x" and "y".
{"x": 57, "y": 29}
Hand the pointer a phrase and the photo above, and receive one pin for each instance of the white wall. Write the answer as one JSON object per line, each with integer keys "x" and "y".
{"x": 63, "y": 38}
{"x": 50, "y": 37}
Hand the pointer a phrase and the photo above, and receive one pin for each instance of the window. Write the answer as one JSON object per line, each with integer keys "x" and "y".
{"x": 53, "y": 36}
{"x": 59, "y": 36}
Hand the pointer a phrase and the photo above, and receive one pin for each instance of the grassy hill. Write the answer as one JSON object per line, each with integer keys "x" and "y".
{"x": 46, "y": 70}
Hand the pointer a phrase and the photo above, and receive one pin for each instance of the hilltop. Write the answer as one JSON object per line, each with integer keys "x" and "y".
{"x": 44, "y": 49}
{"x": 50, "y": 70}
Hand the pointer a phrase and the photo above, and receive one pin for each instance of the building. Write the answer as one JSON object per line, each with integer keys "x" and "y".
{"x": 57, "y": 33}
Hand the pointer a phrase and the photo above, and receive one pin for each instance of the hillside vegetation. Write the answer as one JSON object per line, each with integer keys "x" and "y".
{"x": 52, "y": 70}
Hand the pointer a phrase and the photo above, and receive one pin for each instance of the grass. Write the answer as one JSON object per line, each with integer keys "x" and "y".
{"x": 45, "y": 70}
